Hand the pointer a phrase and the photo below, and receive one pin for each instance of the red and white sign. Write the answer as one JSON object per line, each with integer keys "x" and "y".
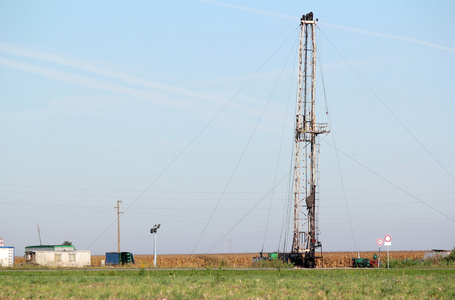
{"x": 388, "y": 240}
{"x": 380, "y": 242}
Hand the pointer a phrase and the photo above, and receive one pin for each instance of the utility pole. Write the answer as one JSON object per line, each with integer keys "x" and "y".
{"x": 227, "y": 243}
{"x": 118, "y": 223}
{"x": 306, "y": 168}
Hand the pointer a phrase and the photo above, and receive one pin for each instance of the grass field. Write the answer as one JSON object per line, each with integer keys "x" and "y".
{"x": 229, "y": 284}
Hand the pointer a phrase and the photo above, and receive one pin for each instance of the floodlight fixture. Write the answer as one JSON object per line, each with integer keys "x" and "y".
{"x": 155, "y": 228}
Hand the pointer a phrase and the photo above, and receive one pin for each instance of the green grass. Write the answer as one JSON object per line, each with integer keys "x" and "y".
{"x": 230, "y": 284}
{"x": 275, "y": 264}
{"x": 418, "y": 263}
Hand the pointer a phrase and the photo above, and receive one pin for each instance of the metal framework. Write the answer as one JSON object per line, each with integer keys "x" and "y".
{"x": 306, "y": 168}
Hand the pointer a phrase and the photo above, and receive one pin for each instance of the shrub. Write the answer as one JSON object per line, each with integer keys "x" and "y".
{"x": 451, "y": 257}
{"x": 408, "y": 263}
{"x": 278, "y": 264}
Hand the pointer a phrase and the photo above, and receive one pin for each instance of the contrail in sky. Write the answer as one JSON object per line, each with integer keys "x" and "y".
{"x": 135, "y": 86}
{"x": 126, "y": 78}
{"x": 267, "y": 13}
{"x": 78, "y": 79}
{"x": 255, "y": 11}
{"x": 391, "y": 36}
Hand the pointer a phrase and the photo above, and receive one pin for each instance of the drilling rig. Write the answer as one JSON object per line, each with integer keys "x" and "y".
{"x": 305, "y": 241}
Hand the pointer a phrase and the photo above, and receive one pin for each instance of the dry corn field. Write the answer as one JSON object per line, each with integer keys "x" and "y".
{"x": 343, "y": 259}
{"x": 244, "y": 260}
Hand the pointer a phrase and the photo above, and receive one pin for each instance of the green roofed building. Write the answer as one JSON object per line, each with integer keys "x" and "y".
{"x": 50, "y": 248}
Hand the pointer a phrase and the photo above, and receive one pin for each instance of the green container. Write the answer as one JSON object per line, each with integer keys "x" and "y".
{"x": 126, "y": 258}
{"x": 273, "y": 256}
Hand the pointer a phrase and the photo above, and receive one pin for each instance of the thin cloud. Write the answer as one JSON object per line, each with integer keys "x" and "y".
{"x": 167, "y": 95}
{"x": 126, "y": 78}
{"x": 248, "y": 9}
{"x": 76, "y": 79}
{"x": 272, "y": 14}
{"x": 390, "y": 36}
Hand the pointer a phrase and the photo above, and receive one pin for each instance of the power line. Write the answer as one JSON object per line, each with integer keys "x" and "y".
{"x": 391, "y": 183}
{"x": 338, "y": 160}
{"x": 132, "y": 151}
{"x": 279, "y": 149}
{"x": 286, "y": 216}
{"x": 178, "y": 192}
{"x": 245, "y": 215}
{"x": 200, "y": 132}
{"x": 388, "y": 109}
{"x": 236, "y": 167}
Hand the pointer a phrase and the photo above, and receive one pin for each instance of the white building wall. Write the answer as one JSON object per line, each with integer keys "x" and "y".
{"x": 44, "y": 258}
{"x": 63, "y": 259}
{"x": 83, "y": 258}
{"x": 6, "y": 256}
{"x": 436, "y": 255}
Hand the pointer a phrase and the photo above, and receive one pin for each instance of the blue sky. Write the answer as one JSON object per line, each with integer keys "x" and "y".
{"x": 184, "y": 111}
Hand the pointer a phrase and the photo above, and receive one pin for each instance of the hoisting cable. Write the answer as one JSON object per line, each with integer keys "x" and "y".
{"x": 280, "y": 147}
{"x": 336, "y": 152}
{"x": 197, "y": 135}
{"x": 388, "y": 109}
{"x": 243, "y": 152}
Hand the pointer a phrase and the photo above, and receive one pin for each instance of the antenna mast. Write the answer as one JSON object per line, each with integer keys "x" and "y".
{"x": 306, "y": 171}
{"x": 39, "y": 234}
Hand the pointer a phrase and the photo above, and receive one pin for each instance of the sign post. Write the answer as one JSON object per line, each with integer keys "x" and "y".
{"x": 387, "y": 242}
{"x": 380, "y": 242}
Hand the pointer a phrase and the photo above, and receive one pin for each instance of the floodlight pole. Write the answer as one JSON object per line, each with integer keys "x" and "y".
{"x": 154, "y": 231}
{"x": 154, "y": 252}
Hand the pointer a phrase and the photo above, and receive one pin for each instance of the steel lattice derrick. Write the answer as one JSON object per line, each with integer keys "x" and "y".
{"x": 305, "y": 239}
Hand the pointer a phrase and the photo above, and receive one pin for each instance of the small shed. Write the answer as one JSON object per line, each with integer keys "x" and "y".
{"x": 119, "y": 258}
{"x": 57, "y": 256}
{"x": 436, "y": 254}
{"x": 6, "y": 256}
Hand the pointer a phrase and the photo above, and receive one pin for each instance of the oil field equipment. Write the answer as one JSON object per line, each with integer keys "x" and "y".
{"x": 360, "y": 263}
{"x": 272, "y": 256}
{"x": 365, "y": 262}
{"x": 305, "y": 241}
